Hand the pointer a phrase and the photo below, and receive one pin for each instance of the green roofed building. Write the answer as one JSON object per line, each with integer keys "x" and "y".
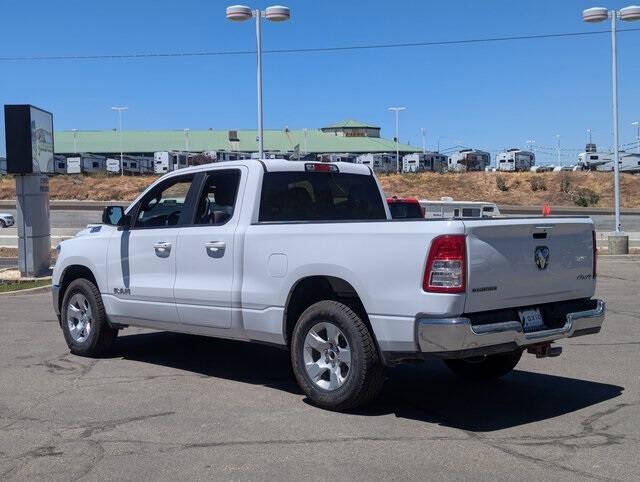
{"x": 345, "y": 137}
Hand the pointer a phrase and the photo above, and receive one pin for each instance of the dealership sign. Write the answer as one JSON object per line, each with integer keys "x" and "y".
{"x": 29, "y": 139}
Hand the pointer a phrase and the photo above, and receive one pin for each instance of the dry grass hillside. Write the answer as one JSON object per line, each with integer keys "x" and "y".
{"x": 556, "y": 188}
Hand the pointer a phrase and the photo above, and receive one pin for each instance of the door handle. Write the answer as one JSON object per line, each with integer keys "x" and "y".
{"x": 162, "y": 249}
{"x": 215, "y": 249}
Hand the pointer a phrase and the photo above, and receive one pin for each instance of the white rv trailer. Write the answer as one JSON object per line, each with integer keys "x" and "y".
{"x": 165, "y": 161}
{"x": 380, "y": 162}
{"x": 86, "y": 163}
{"x": 59, "y": 164}
{"x": 113, "y": 165}
{"x": 469, "y": 160}
{"x": 515, "y": 160}
{"x": 3, "y": 165}
{"x": 428, "y": 161}
{"x": 137, "y": 165}
{"x": 446, "y": 207}
{"x": 74, "y": 165}
{"x": 331, "y": 157}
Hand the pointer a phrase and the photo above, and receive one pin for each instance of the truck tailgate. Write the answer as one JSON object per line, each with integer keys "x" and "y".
{"x": 528, "y": 261}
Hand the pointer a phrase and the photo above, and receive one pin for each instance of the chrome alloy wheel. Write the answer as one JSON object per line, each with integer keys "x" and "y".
{"x": 327, "y": 356}
{"x": 79, "y": 318}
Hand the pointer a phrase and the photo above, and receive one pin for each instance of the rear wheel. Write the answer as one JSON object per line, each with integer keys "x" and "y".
{"x": 485, "y": 367}
{"x": 334, "y": 357}
{"x": 2, "y": 224}
{"x": 84, "y": 322}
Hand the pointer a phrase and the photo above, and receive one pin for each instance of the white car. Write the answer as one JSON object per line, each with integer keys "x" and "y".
{"x": 306, "y": 256}
{"x": 6, "y": 220}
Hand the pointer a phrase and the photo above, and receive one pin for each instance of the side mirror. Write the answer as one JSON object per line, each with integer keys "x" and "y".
{"x": 114, "y": 216}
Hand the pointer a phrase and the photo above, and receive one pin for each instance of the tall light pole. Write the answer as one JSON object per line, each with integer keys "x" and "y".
{"x": 276, "y": 13}
{"x": 558, "y": 137}
{"x": 589, "y": 134}
{"x": 599, "y": 14}
{"x": 186, "y": 143}
{"x": 424, "y": 140}
{"x": 75, "y": 145}
{"x": 397, "y": 111}
{"x": 120, "y": 109}
{"x": 636, "y": 124}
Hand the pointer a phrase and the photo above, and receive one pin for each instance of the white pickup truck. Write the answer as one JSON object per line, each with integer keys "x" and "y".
{"x": 307, "y": 257}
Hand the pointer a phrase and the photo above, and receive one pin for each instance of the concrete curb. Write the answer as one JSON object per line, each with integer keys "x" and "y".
{"x": 28, "y": 291}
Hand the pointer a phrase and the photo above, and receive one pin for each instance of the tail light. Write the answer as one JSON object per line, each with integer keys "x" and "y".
{"x": 446, "y": 265}
{"x": 595, "y": 253}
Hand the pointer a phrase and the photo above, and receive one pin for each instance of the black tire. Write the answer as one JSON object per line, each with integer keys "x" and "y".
{"x": 484, "y": 368}
{"x": 2, "y": 224}
{"x": 101, "y": 336}
{"x": 365, "y": 376}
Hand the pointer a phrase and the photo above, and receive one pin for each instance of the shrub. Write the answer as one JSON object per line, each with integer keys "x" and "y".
{"x": 565, "y": 183}
{"x": 585, "y": 197}
{"x": 538, "y": 183}
{"x": 501, "y": 183}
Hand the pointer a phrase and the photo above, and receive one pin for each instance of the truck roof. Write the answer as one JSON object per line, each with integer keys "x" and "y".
{"x": 277, "y": 165}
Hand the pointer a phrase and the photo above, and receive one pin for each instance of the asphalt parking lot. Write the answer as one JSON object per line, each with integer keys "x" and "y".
{"x": 184, "y": 407}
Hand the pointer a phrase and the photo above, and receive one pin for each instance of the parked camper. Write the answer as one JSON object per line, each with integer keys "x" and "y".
{"x": 138, "y": 165}
{"x": 515, "y": 160}
{"x": 428, "y": 161}
{"x": 74, "y": 165}
{"x": 469, "y": 160}
{"x": 59, "y": 164}
{"x": 333, "y": 157}
{"x": 3, "y": 165}
{"x": 113, "y": 165}
{"x": 446, "y": 207}
{"x": 381, "y": 162}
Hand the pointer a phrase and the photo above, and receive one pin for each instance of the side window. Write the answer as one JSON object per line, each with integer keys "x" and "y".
{"x": 218, "y": 198}
{"x": 165, "y": 205}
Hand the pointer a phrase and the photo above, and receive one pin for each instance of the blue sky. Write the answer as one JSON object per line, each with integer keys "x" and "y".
{"x": 489, "y": 95}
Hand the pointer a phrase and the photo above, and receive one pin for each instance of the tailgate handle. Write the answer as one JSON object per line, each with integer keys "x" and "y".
{"x": 539, "y": 235}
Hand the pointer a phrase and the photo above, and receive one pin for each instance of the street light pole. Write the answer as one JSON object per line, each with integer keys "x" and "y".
{"x": 558, "y": 137}
{"x": 276, "y": 13}
{"x": 637, "y": 126}
{"x": 75, "y": 147}
{"x": 589, "y": 132}
{"x": 599, "y": 14}
{"x": 186, "y": 143}
{"x": 120, "y": 110}
{"x": 397, "y": 111}
{"x": 424, "y": 142}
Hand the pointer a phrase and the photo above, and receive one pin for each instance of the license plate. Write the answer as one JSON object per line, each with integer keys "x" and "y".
{"x": 531, "y": 319}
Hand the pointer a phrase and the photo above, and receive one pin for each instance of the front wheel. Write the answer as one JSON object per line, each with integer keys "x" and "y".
{"x": 334, "y": 357}
{"x": 2, "y": 224}
{"x": 84, "y": 322}
{"x": 485, "y": 367}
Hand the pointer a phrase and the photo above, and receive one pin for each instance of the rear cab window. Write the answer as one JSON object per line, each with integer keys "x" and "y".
{"x": 319, "y": 196}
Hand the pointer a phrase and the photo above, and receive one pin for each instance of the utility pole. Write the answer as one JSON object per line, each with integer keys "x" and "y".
{"x": 558, "y": 137}
{"x": 75, "y": 145}
{"x": 397, "y": 111}
{"x": 424, "y": 142}
{"x": 120, "y": 110}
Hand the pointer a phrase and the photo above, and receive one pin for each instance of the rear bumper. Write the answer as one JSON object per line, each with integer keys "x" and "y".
{"x": 458, "y": 338}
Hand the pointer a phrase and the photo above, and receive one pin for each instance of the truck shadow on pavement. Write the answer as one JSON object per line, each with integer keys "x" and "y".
{"x": 424, "y": 392}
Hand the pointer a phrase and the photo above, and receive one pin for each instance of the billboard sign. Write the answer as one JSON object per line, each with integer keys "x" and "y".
{"x": 29, "y": 139}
